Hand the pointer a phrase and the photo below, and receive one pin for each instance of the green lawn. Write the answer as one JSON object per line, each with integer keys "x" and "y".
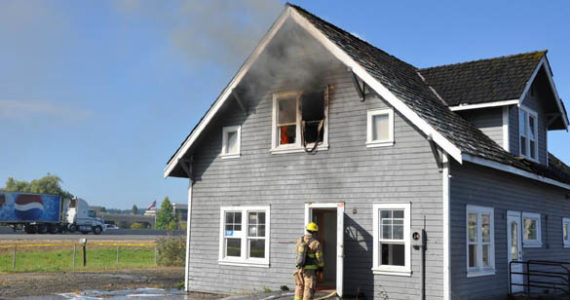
{"x": 98, "y": 258}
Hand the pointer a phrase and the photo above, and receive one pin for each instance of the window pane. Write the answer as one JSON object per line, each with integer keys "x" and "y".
{"x": 485, "y": 255}
{"x": 261, "y": 217}
{"x": 472, "y": 227}
{"x": 233, "y": 247}
{"x": 232, "y": 142}
{"x": 237, "y": 217}
{"x": 387, "y": 232}
{"x": 252, "y": 231}
{"x": 287, "y": 134}
{"x": 514, "y": 241}
{"x": 565, "y": 231}
{"x": 385, "y": 214}
{"x": 393, "y": 255}
{"x": 398, "y": 232}
{"x": 532, "y": 149}
{"x": 399, "y": 214}
{"x": 523, "y": 146}
{"x": 485, "y": 227}
{"x": 531, "y": 127}
{"x": 380, "y": 127}
{"x": 522, "y": 123}
{"x": 229, "y": 218}
{"x": 472, "y": 255}
{"x": 252, "y": 218}
{"x": 287, "y": 110}
{"x": 257, "y": 248}
{"x": 530, "y": 229}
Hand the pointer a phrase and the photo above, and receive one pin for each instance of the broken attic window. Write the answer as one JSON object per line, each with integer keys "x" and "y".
{"x": 287, "y": 122}
{"x": 313, "y": 115}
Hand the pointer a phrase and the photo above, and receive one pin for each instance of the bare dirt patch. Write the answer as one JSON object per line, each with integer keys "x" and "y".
{"x": 45, "y": 283}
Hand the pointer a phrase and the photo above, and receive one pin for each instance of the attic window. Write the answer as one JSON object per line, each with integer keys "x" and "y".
{"x": 299, "y": 121}
{"x": 231, "y": 136}
{"x": 528, "y": 132}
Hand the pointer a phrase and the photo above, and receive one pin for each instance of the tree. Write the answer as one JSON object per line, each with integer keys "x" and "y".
{"x": 49, "y": 184}
{"x": 134, "y": 210}
{"x": 165, "y": 215}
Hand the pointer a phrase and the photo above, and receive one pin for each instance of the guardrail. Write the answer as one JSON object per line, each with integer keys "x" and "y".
{"x": 542, "y": 275}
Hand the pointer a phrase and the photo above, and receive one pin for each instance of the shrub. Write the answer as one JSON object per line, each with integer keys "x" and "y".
{"x": 137, "y": 225}
{"x": 171, "y": 251}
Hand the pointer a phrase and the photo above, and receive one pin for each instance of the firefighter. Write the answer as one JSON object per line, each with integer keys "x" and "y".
{"x": 309, "y": 262}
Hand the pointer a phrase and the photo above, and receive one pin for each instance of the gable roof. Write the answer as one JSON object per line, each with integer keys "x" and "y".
{"x": 486, "y": 80}
{"x": 396, "y": 81}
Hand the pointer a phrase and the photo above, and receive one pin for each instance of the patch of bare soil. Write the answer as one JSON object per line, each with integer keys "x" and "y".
{"x": 45, "y": 283}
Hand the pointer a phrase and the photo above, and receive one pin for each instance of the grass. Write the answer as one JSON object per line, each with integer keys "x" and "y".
{"x": 98, "y": 258}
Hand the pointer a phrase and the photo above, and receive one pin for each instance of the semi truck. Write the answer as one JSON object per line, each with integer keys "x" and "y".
{"x": 44, "y": 213}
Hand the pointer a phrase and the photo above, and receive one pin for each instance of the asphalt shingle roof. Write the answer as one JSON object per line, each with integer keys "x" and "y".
{"x": 405, "y": 81}
{"x": 486, "y": 80}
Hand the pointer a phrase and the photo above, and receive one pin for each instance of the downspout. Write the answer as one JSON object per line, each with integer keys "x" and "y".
{"x": 446, "y": 228}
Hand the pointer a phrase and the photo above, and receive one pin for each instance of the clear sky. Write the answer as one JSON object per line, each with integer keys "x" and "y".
{"x": 101, "y": 93}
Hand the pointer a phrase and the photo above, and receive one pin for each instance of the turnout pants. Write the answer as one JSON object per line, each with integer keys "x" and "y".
{"x": 305, "y": 283}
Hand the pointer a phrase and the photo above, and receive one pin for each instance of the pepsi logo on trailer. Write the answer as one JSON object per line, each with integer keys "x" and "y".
{"x": 29, "y": 207}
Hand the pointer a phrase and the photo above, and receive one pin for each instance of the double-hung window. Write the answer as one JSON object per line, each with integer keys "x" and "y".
{"x": 391, "y": 254}
{"x": 480, "y": 240}
{"x": 528, "y": 132}
{"x": 231, "y": 139}
{"x": 380, "y": 128}
{"x": 565, "y": 232}
{"x": 244, "y": 236}
{"x": 531, "y": 230}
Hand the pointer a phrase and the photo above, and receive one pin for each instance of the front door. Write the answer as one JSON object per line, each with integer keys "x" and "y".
{"x": 514, "y": 250}
{"x": 330, "y": 219}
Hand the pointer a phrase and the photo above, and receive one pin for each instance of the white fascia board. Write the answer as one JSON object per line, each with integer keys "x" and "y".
{"x": 398, "y": 104}
{"x": 484, "y": 105}
{"x": 544, "y": 63}
{"x": 227, "y": 91}
{"x": 513, "y": 170}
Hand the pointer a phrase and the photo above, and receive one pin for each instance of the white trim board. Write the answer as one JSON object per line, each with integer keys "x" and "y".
{"x": 446, "y": 230}
{"x": 337, "y": 52}
{"x": 484, "y": 105}
{"x": 513, "y": 170}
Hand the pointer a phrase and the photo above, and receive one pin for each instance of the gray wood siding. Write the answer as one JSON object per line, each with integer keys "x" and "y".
{"x": 488, "y": 120}
{"x": 476, "y": 185}
{"x": 347, "y": 172}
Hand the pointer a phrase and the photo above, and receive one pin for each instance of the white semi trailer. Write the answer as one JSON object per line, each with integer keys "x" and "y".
{"x": 43, "y": 213}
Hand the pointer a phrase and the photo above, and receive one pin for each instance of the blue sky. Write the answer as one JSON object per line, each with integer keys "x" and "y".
{"x": 101, "y": 93}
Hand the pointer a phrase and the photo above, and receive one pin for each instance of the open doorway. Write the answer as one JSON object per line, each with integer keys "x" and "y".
{"x": 330, "y": 219}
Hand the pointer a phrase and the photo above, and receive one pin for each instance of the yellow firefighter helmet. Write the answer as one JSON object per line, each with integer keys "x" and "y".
{"x": 312, "y": 227}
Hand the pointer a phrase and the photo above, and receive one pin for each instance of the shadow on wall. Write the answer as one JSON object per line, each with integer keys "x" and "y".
{"x": 358, "y": 247}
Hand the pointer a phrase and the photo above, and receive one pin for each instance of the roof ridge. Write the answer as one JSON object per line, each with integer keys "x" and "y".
{"x": 352, "y": 35}
{"x": 541, "y": 52}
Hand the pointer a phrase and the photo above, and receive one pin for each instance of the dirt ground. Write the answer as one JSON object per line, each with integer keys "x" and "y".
{"x": 45, "y": 283}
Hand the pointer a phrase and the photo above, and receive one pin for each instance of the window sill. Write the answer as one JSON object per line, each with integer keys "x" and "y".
{"x": 228, "y": 156}
{"x": 481, "y": 273}
{"x": 244, "y": 264}
{"x": 295, "y": 149}
{"x": 379, "y": 144}
{"x": 529, "y": 244}
{"x": 566, "y": 245}
{"x": 404, "y": 273}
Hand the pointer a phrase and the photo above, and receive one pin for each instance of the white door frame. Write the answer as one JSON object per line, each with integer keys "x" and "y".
{"x": 517, "y": 267}
{"x": 339, "y": 236}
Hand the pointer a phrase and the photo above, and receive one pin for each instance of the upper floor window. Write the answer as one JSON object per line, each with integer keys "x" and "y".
{"x": 528, "y": 132}
{"x": 565, "y": 232}
{"x": 380, "y": 128}
{"x": 231, "y": 139}
{"x": 300, "y": 120}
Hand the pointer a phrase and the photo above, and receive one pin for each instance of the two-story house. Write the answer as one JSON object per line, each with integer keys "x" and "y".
{"x": 424, "y": 182}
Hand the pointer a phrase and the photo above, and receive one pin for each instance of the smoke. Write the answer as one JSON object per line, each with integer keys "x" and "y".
{"x": 209, "y": 32}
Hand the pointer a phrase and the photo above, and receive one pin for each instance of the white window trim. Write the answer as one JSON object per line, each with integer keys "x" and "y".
{"x": 566, "y": 243}
{"x": 379, "y": 143}
{"x": 529, "y": 112}
{"x": 378, "y": 269}
{"x": 225, "y": 132}
{"x": 244, "y": 260}
{"x": 297, "y": 146}
{"x": 532, "y": 243}
{"x": 480, "y": 271}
